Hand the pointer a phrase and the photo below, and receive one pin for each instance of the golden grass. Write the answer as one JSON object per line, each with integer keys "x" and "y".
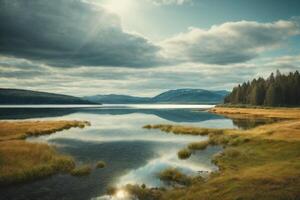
{"x": 143, "y": 193}
{"x": 100, "y": 164}
{"x": 83, "y": 170}
{"x": 22, "y": 161}
{"x": 11, "y": 130}
{"x": 283, "y": 113}
{"x": 173, "y": 176}
{"x": 198, "y": 145}
{"x": 262, "y": 163}
{"x": 184, "y": 154}
{"x": 258, "y": 169}
{"x": 176, "y": 129}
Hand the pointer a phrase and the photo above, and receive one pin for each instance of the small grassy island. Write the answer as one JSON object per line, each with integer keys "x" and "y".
{"x": 258, "y": 163}
{"x": 22, "y": 161}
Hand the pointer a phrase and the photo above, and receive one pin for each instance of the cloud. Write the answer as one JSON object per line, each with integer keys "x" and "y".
{"x": 170, "y": 2}
{"x": 36, "y": 35}
{"x": 232, "y": 42}
{"x": 144, "y": 81}
{"x": 67, "y": 33}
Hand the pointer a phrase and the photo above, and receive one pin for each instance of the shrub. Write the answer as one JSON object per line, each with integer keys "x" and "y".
{"x": 138, "y": 192}
{"x": 184, "y": 153}
{"x": 174, "y": 176}
{"x": 83, "y": 170}
{"x": 100, "y": 164}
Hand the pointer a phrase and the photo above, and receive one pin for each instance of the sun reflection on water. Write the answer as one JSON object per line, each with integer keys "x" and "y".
{"x": 121, "y": 194}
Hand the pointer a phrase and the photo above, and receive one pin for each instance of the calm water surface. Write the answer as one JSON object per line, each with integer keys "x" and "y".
{"x": 133, "y": 155}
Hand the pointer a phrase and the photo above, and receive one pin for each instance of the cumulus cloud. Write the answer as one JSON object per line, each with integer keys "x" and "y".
{"x": 67, "y": 33}
{"x": 232, "y": 42}
{"x": 70, "y": 33}
{"x": 36, "y": 35}
{"x": 20, "y": 73}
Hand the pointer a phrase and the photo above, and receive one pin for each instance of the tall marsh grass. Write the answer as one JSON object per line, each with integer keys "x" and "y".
{"x": 254, "y": 164}
{"x": 21, "y": 161}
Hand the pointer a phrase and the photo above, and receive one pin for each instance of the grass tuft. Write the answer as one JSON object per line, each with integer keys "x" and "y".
{"x": 143, "y": 193}
{"x": 100, "y": 164}
{"x": 184, "y": 153}
{"x": 254, "y": 164}
{"x": 174, "y": 176}
{"x": 198, "y": 145}
{"x": 83, "y": 170}
{"x": 21, "y": 161}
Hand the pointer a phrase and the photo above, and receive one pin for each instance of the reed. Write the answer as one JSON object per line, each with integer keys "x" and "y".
{"x": 83, "y": 170}
{"x": 259, "y": 163}
{"x": 22, "y": 161}
{"x": 184, "y": 153}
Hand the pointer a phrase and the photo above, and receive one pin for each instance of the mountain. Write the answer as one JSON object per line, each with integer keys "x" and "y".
{"x": 189, "y": 96}
{"x": 117, "y": 99}
{"x": 16, "y": 96}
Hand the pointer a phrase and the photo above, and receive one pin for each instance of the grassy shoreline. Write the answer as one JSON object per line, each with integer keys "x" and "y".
{"x": 22, "y": 161}
{"x": 259, "y": 163}
{"x": 238, "y": 112}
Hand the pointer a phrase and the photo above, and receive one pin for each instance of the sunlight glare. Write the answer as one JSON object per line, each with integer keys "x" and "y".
{"x": 121, "y": 8}
{"x": 121, "y": 194}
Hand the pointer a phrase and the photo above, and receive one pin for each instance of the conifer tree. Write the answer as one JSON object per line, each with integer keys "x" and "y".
{"x": 278, "y": 90}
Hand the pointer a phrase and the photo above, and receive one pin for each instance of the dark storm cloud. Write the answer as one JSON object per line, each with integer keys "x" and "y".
{"x": 70, "y": 33}
{"x": 67, "y": 33}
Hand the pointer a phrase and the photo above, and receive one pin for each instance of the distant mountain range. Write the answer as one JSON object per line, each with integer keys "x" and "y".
{"x": 16, "y": 96}
{"x": 179, "y": 96}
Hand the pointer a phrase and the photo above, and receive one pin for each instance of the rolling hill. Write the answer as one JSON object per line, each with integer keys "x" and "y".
{"x": 17, "y": 96}
{"x": 188, "y": 96}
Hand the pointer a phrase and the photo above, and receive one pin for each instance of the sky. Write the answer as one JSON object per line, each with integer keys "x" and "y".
{"x": 144, "y": 47}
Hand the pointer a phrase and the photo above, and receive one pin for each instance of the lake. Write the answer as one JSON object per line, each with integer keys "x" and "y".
{"x": 133, "y": 155}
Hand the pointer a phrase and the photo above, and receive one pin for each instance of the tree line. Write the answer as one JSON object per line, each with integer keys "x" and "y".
{"x": 277, "y": 90}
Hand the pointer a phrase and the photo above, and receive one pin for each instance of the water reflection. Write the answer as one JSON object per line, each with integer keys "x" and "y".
{"x": 133, "y": 155}
{"x": 248, "y": 123}
{"x": 174, "y": 115}
{"x": 147, "y": 174}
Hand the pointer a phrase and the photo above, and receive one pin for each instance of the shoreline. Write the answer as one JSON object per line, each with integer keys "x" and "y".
{"x": 254, "y": 161}
{"x": 23, "y": 161}
{"x": 282, "y": 113}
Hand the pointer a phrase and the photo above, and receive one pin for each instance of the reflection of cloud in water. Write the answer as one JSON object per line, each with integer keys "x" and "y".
{"x": 118, "y": 196}
{"x": 119, "y": 129}
{"x": 167, "y": 157}
{"x": 133, "y": 154}
{"x": 156, "y": 137}
{"x": 170, "y": 113}
{"x": 147, "y": 174}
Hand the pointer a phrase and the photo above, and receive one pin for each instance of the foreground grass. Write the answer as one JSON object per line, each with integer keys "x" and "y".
{"x": 260, "y": 163}
{"x": 22, "y": 161}
{"x": 173, "y": 176}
